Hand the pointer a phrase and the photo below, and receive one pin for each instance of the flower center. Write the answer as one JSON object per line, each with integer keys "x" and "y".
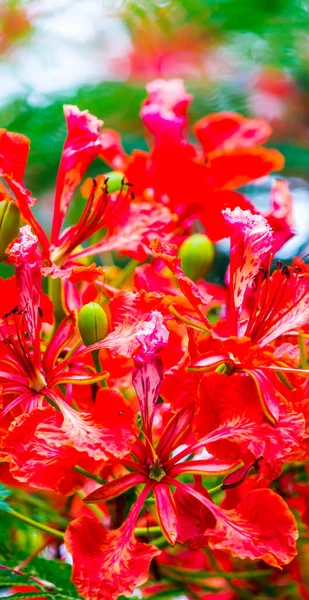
{"x": 156, "y": 472}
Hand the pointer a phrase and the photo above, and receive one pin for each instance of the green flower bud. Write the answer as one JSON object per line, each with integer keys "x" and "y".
{"x": 92, "y": 323}
{"x": 197, "y": 255}
{"x": 9, "y": 225}
{"x": 115, "y": 181}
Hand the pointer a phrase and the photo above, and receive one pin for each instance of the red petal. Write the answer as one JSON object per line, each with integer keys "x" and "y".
{"x": 37, "y": 462}
{"x": 103, "y": 434}
{"x": 233, "y": 169}
{"x": 166, "y": 511}
{"x": 164, "y": 111}
{"x": 60, "y": 339}
{"x": 261, "y": 527}
{"x": 146, "y": 378}
{"x": 280, "y": 217}
{"x": 251, "y": 245}
{"x": 82, "y": 145}
{"x": 269, "y": 399}
{"x": 198, "y": 298}
{"x": 176, "y": 431}
{"x": 211, "y": 466}
{"x": 228, "y": 130}
{"x": 14, "y": 150}
{"x": 114, "y": 488}
{"x": 134, "y": 232}
{"x": 108, "y": 563}
{"x": 193, "y": 517}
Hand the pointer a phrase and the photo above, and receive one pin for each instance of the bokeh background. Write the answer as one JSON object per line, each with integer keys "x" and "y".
{"x": 249, "y": 56}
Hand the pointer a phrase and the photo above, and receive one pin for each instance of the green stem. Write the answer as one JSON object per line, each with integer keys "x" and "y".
{"x": 160, "y": 542}
{"x": 214, "y": 490}
{"x": 32, "y": 523}
{"x": 125, "y": 273}
{"x": 303, "y": 353}
{"x": 226, "y": 575}
{"x": 93, "y": 507}
{"x": 39, "y": 503}
{"x": 147, "y": 530}
{"x": 150, "y": 501}
{"x": 55, "y": 294}
{"x": 89, "y": 475}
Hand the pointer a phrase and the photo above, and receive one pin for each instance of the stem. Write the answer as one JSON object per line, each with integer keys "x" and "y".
{"x": 160, "y": 542}
{"x": 32, "y": 523}
{"x": 93, "y": 507}
{"x": 224, "y": 574}
{"x": 97, "y": 364}
{"x": 40, "y": 503}
{"x": 214, "y": 490}
{"x": 187, "y": 320}
{"x": 303, "y": 353}
{"x": 89, "y": 475}
{"x": 54, "y": 292}
{"x": 146, "y": 530}
{"x": 126, "y": 272}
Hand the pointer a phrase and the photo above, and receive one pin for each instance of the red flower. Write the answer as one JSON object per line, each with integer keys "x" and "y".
{"x": 158, "y": 466}
{"x": 261, "y": 308}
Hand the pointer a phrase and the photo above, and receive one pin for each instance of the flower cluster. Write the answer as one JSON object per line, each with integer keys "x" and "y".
{"x": 173, "y": 406}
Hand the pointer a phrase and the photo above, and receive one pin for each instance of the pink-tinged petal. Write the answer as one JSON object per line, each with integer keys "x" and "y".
{"x": 112, "y": 151}
{"x": 21, "y": 398}
{"x": 251, "y": 530}
{"x": 211, "y": 466}
{"x": 108, "y": 563}
{"x": 60, "y": 340}
{"x": 166, "y": 512}
{"x": 123, "y": 340}
{"x": 114, "y": 488}
{"x": 83, "y": 144}
{"x": 280, "y": 217}
{"x": 28, "y": 262}
{"x": 176, "y": 431}
{"x": 134, "y": 232}
{"x": 269, "y": 398}
{"x": 228, "y": 131}
{"x": 153, "y": 336}
{"x": 76, "y": 377}
{"x": 146, "y": 378}
{"x": 108, "y": 432}
{"x": 251, "y": 245}
{"x": 239, "y": 429}
{"x": 164, "y": 111}
{"x": 209, "y": 361}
